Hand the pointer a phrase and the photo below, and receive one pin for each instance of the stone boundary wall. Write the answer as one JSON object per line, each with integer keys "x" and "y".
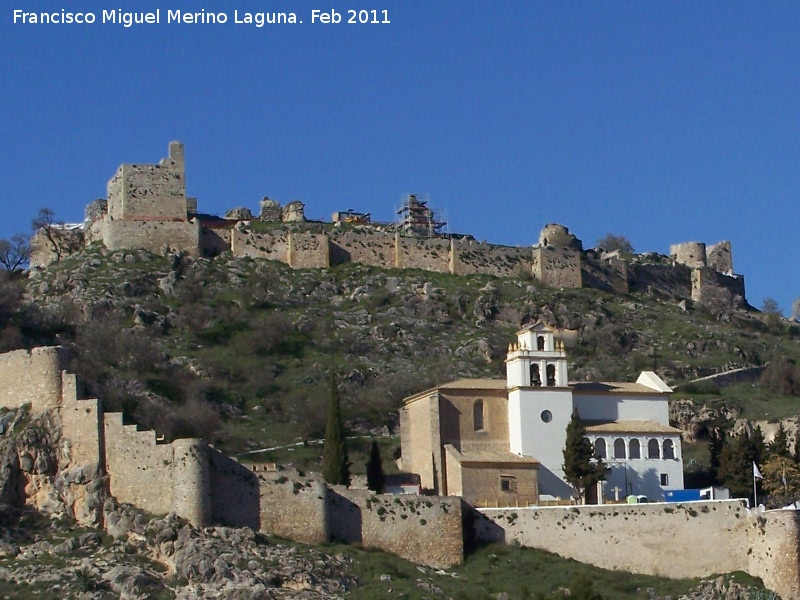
{"x": 705, "y": 278}
{"x": 471, "y": 257}
{"x": 677, "y": 540}
{"x": 151, "y": 235}
{"x": 665, "y": 539}
{"x": 271, "y": 246}
{"x": 427, "y": 530}
{"x": 31, "y": 377}
{"x": 774, "y": 546}
{"x": 429, "y": 254}
{"x": 370, "y": 248}
{"x": 308, "y": 251}
{"x": 293, "y": 506}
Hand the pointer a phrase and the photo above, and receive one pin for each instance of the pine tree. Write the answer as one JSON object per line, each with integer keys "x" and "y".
{"x": 335, "y": 464}
{"x": 581, "y": 469}
{"x": 736, "y": 469}
{"x": 796, "y": 454}
{"x": 375, "y": 476}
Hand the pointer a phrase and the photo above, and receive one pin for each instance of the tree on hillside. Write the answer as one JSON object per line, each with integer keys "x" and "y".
{"x": 375, "y": 475}
{"x": 14, "y": 252}
{"x": 581, "y": 469}
{"x": 780, "y": 444}
{"x": 716, "y": 442}
{"x": 45, "y": 223}
{"x": 735, "y": 469}
{"x": 781, "y": 481}
{"x": 772, "y": 313}
{"x": 335, "y": 463}
{"x": 612, "y": 242}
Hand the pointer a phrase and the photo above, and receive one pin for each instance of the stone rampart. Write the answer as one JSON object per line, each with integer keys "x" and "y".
{"x": 429, "y": 254}
{"x": 31, "y": 377}
{"x": 370, "y": 248}
{"x": 424, "y": 529}
{"x": 308, "y": 251}
{"x": 215, "y": 241}
{"x": 154, "y": 236}
{"x": 140, "y": 470}
{"x": 293, "y": 506}
{"x": 706, "y": 279}
{"x": 471, "y": 257}
{"x": 271, "y": 246}
{"x": 719, "y": 257}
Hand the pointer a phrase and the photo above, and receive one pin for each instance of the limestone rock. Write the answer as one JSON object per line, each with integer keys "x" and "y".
{"x": 270, "y": 210}
{"x": 240, "y": 213}
{"x": 294, "y": 212}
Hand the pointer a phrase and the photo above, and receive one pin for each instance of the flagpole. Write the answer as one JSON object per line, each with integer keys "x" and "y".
{"x": 755, "y": 498}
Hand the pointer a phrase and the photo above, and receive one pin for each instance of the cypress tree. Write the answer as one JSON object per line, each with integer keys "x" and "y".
{"x": 716, "y": 441}
{"x": 335, "y": 464}
{"x": 780, "y": 445}
{"x": 375, "y": 476}
{"x": 581, "y": 469}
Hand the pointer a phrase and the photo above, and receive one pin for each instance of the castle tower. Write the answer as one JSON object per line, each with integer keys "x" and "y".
{"x": 539, "y": 403}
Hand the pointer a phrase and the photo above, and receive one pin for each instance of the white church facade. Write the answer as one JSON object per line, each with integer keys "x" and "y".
{"x": 501, "y": 442}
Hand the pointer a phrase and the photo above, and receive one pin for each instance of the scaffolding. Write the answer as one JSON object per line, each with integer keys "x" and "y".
{"x": 416, "y": 218}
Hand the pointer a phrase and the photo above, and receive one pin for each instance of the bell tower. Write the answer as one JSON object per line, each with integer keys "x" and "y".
{"x": 539, "y": 403}
{"x": 537, "y": 359}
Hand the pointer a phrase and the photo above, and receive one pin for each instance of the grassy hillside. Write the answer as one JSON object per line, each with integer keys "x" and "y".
{"x": 238, "y": 350}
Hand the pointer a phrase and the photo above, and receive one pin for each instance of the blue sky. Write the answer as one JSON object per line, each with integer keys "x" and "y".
{"x": 666, "y": 122}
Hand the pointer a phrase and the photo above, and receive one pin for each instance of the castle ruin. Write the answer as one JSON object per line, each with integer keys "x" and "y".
{"x": 147, "y": 208}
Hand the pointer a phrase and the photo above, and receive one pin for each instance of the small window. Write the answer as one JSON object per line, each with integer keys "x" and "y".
{"x": 652, "y": 449}
{"x": 619, "y": 448}
{"x": 536, "y": 379}
{"x": 546, "y": 416}
{"x": 477, "y": 416}
{"x": 669, "y": 450}
{"x": 600, "y": 448}
{"x": 551, "y": 375}
{"x": 508, "y": 484}
{"x": 634, "y": 450}
{"x": 540, "y": 342}
{"x": 664, "y": 479}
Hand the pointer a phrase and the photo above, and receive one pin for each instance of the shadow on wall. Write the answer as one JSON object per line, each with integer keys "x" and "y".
{"x": 479, "y": 530}
{"x": 235, "y": 497}
{"x": 344, "y": 518}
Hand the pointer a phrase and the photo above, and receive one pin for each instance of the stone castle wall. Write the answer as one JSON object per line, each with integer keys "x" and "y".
{"x": 308, "y": 251}
{"x": 293, "y": 506}
{"x": 691, "y": 254}
{"x": 80, "y": 422}
{"x": 473, "y": 257}
{"x": 424, "y": 529}
{"x": 271, "y": 246}
{"x": 370, "y": 248}
{"x": 154, "y": 236}
{"x": 774, "y": 545}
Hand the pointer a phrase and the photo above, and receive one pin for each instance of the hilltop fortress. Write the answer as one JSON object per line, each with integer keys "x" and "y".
{"x": 147, "y": 207}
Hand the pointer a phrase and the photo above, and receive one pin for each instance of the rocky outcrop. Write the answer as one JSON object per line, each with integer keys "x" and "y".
{"x": 696, "y": 420}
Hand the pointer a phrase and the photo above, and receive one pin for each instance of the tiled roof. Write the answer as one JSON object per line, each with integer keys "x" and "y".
{"x": 489, "y": 456}
{"x": 628, "y": 427}
{"x": 611, "y": 387}
{"x": 475, "y": 384}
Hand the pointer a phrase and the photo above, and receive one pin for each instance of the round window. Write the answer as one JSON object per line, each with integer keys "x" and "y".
{"x": 547, "y": 416}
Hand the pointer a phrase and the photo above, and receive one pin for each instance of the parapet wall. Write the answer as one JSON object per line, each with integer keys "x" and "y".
{"x": 31, "y": 377}
{"x": 557, "y": 267}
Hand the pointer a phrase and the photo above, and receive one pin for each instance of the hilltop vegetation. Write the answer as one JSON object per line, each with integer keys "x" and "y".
{"x": 240, "y": 351}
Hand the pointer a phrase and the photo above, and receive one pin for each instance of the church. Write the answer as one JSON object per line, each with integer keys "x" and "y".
{"x": 500, "y": 442}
